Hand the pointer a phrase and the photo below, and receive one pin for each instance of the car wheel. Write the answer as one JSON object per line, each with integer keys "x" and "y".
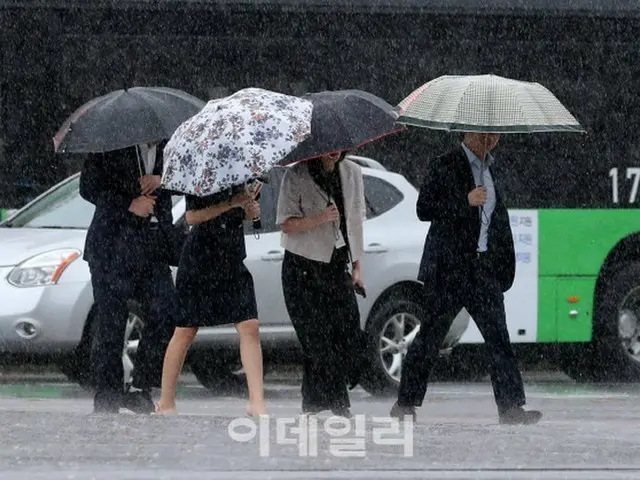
{"x": 132, "y": 336}
{"x": 218, "y": 370}
{"x": 77, "y": 367}
{"x": 391, "y": 330}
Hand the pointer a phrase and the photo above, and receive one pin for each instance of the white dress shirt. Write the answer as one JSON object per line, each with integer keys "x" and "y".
{"x": 149, "y": 161}
{"x": 482, "y": 176}
{"x": 148, "y": 157}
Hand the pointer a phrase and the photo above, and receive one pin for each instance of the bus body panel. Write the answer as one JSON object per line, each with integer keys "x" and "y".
{"x": 559, "y": 255}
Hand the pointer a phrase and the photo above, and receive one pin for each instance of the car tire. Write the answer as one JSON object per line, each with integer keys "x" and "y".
{"x": 395, "y": 319}
{"x": 219, "y": 371}
{"x": 77, "y": 366}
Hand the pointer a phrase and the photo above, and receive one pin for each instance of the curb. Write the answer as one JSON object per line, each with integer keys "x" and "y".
{"x": 289, "y": 376}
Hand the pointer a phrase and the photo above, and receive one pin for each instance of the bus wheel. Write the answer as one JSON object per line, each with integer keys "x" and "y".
{"x": 617, "y": 328}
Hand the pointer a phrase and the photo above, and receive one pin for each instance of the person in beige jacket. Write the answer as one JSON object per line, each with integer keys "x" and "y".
{"x": 321, "y": 211}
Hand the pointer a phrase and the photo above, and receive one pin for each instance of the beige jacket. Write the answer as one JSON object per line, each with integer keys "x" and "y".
{"x": 301, "y": 197}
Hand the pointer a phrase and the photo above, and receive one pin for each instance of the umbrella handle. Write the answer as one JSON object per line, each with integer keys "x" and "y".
{"x": 138, "y": 156}
{"x": 137, "y": 147}
{"x": 257, "y": 224}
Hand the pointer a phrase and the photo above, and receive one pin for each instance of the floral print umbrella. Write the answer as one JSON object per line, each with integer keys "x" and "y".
{"x": 233, "y": 140}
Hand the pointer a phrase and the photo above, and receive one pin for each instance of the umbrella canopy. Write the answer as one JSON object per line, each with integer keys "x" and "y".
{"x": 344, "y": 120}
{"x": 486, "y": 103}
{"x": 234, "y": 140}
{"x": 124, "y": 118}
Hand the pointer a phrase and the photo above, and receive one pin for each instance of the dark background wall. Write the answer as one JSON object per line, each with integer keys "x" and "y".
{"x": 55, "y": 59}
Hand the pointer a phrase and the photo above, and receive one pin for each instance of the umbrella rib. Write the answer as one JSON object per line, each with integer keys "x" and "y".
{"x": 341, "y": 120}
{"x": 158, "y": 119}
{"x": 174, "y": 92}
{"x": 464, "y": 95}
{"x": 335, "y": 116}
{"x": 521, "y": 109}
{"x": 534, "y": 100}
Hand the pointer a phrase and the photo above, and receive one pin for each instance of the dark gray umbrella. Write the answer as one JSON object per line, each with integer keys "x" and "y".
{"x": 344, "y": 120}
{"x": 124, "y": 118}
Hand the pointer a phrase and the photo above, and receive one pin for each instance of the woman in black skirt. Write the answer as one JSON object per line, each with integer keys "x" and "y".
{"x": 321, "y": 211}
{"x": 216, "y": 288}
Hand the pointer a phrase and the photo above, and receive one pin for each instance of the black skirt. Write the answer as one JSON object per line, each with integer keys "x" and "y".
{"x": 212, "y": 301}
{"x": 214, "y": 285}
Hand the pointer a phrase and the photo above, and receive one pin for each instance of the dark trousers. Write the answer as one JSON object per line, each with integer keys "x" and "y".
{"x": 113, "y": 286}
{"x": 324, "y": 313}
{"x": 480, "y": 293}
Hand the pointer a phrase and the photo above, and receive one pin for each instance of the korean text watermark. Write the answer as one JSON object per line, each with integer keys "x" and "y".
{"x": 346, "y": 437}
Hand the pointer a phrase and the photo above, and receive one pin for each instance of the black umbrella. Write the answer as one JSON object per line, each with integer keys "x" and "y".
{"x": 124, "y": 118}
{"x": 344, "y": 120}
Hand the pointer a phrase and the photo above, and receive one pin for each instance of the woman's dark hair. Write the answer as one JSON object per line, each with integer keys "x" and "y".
{"x": 317, "y": 172}
{"x": 315, "y": 164}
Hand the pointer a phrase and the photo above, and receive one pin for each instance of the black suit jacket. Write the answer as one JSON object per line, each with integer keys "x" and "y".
{"x": 452, "y": 240}
{"x": 110, "y": 181}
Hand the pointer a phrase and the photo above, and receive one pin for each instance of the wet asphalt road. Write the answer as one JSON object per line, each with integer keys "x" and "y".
{"x": 588, "y": 432}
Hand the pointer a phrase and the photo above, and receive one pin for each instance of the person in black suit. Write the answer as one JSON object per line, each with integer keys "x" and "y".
{"x": 468, "y": 261}
{"x": 128, "y": 256}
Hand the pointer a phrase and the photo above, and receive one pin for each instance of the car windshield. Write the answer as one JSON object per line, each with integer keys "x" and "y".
{"x": 63, "y": 207}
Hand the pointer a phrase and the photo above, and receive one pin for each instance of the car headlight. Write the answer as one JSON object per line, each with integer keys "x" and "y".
{"x": 43, "y": 269}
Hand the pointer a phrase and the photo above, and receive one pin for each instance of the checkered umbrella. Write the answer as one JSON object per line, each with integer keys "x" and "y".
{"x": 486, "y": 103}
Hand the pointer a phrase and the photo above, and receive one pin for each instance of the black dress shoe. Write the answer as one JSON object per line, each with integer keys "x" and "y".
{"x": 400, "y": 412}
{"x": 520, "y": 416}
{"x": 106, "y": 402}
{"x": 139, "y": 402}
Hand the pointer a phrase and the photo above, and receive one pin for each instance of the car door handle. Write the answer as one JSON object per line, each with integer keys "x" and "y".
{"x": 375, "y": 248}
{"x": 273, "y": 256}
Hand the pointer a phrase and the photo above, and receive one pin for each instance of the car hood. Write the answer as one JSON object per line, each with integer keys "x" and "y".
{"x": 19, "y": 244}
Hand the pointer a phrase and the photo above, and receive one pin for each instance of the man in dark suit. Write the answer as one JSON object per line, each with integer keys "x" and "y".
{"x": 468, "y": 261}
{"x": 128, "y": 256}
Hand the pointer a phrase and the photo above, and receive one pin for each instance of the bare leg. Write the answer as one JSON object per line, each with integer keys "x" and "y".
{"x": 251, "y": 357}
{"x": 173, "y": 362}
